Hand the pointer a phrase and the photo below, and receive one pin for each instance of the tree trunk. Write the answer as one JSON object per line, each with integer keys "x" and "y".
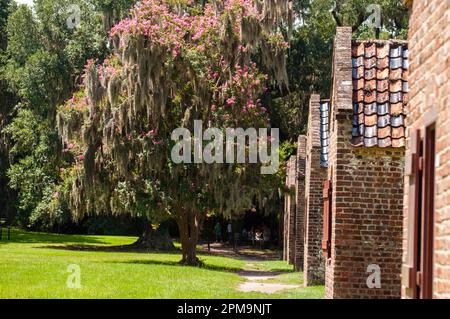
{"x": 155, "y": 239}
{"x": 189, "y": 224}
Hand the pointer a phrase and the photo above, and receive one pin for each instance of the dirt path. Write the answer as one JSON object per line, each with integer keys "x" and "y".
{"x": 243, "y": 252}
{"x": 255, "y": 281}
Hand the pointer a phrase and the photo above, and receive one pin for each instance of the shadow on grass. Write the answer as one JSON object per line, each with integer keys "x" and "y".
{"x": 116, "y": 249}
{"x": 20, "y": 236}
{"x": 134, "y": 249}
{"x": 205, "y": 266}
{"x": 244, "y": 255}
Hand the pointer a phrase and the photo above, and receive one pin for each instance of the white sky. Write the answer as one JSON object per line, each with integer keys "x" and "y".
{"x": 29, "y": 2}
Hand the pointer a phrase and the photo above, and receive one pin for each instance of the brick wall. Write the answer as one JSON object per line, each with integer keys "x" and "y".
{"x": 367, "y": 191}
{"x": 289, "y": 212}
{"x": 315, "y": 175}
{"x": 300, "y": 204}
{"x": 429, "y": 43}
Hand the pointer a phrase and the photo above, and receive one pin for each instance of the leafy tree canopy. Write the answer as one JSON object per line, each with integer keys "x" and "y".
{"x": 174, "y": 62}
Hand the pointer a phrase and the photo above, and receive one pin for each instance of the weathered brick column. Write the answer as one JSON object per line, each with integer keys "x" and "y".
{"x": 341, "y": 100}
{"x": 289, "y": 212}
{"x": 300, "y": 204}
{"x": 429, "y": 105}
{"x": 315, "y": 175}
{"x": 367, "y": 187}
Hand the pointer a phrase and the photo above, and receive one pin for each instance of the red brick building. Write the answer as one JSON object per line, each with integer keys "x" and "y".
{"x": 316, "y": 173}
{"x": 363, "y": 196}
{"x": 426, "y": 259}
{"x": 300, "y": 204}
{"x": 294, "y": 207}
{"x": 289, "y": 212}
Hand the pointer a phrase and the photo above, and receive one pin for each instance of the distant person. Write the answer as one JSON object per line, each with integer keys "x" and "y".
{"x": 258, "y": 234}
{"x": 259, "y": 237}
{"x": 218, "y": 232}
{"x": 251, "y": 236}
{"x": 230, "y": 232}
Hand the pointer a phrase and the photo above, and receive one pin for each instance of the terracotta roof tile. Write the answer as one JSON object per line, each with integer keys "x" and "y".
{"x": 370, "y": 50}
{"x": 382, "y": 97}
{"x": 370, "y": 96}
{"x": 383, "y": 74}
{"x": 383, "y": 51}
{"x": 384, "y": 132}
{"x": 397, "y": 108}
{"x": 358, "y": 50}
{"x": 383, "y": 85}
{"x": 398, "y": 132}
{"x": 383, "y": 63}
{"x": 370, "y": 62}
{"x": 398, "y": 142}
{"x": 380, "y": 93}
{"x": 396, "y": 86}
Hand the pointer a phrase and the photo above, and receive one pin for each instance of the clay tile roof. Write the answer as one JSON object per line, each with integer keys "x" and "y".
{"x": 324, "y": 137}
{"x": 380, "y": 92}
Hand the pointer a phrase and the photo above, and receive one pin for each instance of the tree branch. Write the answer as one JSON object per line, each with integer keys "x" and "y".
{"x": 336, "y": 18}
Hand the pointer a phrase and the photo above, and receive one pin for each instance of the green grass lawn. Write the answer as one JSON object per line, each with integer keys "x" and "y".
{"x": 35, "y": 265}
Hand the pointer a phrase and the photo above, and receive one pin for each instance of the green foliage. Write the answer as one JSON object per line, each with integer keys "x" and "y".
{"x": 22, "y": 44}
{"x": 42, "y": 66}
{"x": 22, "y": 131}
{"x": 394, "y": 17}
{"x": 6, "y": 6}
{"x": 33, "y": 173}
{"x": 43, "y": 81}
{"x": 310, "y": 55}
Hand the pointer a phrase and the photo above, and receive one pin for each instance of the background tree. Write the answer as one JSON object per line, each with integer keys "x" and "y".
{"x": 7, "y": 100}
{"x": 310, "y": 52}
{"x": 42, "y": 66}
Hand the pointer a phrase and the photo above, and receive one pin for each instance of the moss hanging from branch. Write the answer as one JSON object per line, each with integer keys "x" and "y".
{"x": 169, "y": 68}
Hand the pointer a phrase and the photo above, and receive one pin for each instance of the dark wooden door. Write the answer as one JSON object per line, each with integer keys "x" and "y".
{"x": 427, "y": 218}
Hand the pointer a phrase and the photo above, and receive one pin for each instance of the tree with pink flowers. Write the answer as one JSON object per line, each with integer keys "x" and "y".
{"x": 174, "y": 62}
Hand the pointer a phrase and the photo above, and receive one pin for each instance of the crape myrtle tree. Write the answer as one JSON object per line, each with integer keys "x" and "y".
{"x": 174, "y": 62}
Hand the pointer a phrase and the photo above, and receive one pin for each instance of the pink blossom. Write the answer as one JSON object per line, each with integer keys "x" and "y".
{"x": 151, "y": 133}
{"x": 250, "y": 105}
{"x": 213, "y": 107}
{"x": 230, "y": 101}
